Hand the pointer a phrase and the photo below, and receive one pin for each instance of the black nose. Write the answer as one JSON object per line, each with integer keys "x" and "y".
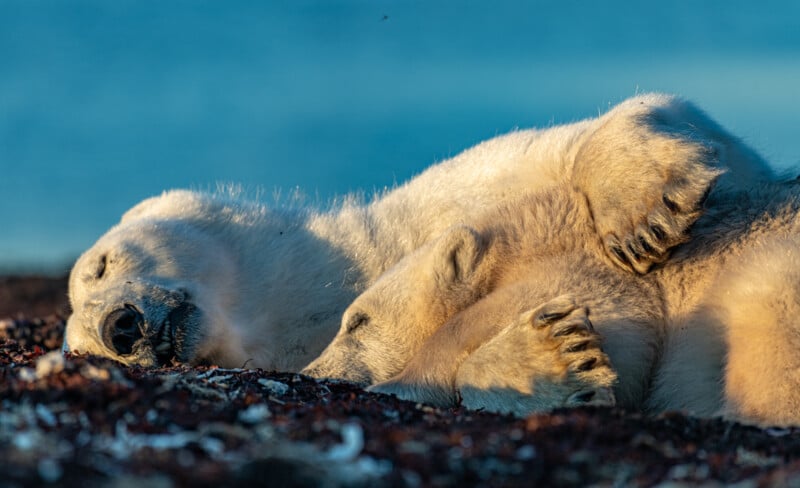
{"x": 122, "y": 328}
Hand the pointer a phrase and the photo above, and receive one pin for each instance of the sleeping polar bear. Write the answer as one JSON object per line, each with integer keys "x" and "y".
{"x": 509, "y": 314}
{"x": 202, "y": 278}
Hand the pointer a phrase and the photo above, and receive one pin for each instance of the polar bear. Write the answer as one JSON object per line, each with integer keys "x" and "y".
{"x": 510, "y": 315}
{"x": 526, "y": 276}
{"x": 209, "y": 278}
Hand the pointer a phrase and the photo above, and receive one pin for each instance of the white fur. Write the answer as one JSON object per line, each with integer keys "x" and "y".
{"x": 461, "y": 314}
{"x": 271, "y": 283}
{"x": 733, "y": 312}
{"x": 715, "y": 331}
{"x": 720, "y": 336}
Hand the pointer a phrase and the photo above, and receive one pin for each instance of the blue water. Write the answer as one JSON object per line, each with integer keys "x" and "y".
{"x": 105, "y": 103}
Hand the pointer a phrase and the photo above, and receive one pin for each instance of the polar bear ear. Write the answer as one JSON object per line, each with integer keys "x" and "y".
{"x": 459, "y": 252}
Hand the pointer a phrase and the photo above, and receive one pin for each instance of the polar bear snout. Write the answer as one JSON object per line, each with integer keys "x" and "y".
{"x": 122, "y": 328}
{"x": 139, "y": 323}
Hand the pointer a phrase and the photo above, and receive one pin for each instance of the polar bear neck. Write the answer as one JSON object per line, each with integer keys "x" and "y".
{"x": 312, "y": 264}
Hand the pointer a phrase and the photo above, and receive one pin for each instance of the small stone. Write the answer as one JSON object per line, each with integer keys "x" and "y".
{"x": 51, "y": 363}
{"x": 27, "y": 374}
{"x": 50, "y": 470}
{"x": 351, "y": 446}
{"x": 275, "y": 387}
{"x": 526, "y": 452}
{"x": 92, "y": 372}
{"x": 254, "y": 414}
{"x": 45, "y": 415}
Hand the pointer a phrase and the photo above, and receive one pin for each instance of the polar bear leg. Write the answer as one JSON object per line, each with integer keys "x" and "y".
{"x": 758, "y": 302}
{"x": 646, "y": 170}
{"x": 549, "y": 358}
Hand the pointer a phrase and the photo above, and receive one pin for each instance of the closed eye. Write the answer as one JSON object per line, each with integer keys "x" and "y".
{"x": 101, "y": 267}
{"x": 356, "y": 320}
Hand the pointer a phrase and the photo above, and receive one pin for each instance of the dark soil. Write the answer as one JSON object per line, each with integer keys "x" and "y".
{"x": 85, "y": 421}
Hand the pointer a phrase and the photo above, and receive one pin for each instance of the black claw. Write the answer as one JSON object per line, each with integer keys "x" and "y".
{"x": 634, "y": 252}
{"x": 645, "y": 245}
{"x": 671, "y": 205}
{"x": 581, "y": 346}
{"x": 585, "y": 397}
{"x": 618, "y": 252}
{"x": 566, "y": 331}
{"x": 549, "y": 317}
{"x": 658, "y": 231}
{"x": 587, "y": 365}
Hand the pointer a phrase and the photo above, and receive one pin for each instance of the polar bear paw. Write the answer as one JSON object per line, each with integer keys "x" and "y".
{"x": 578, "y": 360}
{"x": 549, "y": 358}
{"x": 645, "y": 172}
{"x": 646, "y": 239}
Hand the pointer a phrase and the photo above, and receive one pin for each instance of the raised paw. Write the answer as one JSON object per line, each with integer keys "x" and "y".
{"x": 640, "y": 241}
{"x": 646, "y": 170}
{"x": 549, "y": 358}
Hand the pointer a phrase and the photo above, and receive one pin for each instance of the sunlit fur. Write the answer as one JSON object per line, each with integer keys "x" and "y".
{"x": 271, "y": 283}
{"x": 715, "y": 331}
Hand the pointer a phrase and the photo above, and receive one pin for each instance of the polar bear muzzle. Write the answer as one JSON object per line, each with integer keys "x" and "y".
{"x": 128, "y": 333}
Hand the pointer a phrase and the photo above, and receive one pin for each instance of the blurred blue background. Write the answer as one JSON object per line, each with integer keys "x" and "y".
{"x": 103, "y": 103}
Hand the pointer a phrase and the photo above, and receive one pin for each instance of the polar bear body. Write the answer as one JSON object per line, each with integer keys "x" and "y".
{"x": 731, "y": 309}
{"x": 195, "y": 277}
{"x": 714, "y": 331}
{"x": 431, "y": 312}
{"x": 271, "y": 283}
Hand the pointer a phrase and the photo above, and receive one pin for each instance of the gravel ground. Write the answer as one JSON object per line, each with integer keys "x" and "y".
{"x": 92, "y": 422}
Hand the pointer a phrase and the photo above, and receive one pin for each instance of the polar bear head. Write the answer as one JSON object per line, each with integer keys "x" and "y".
{"x": 388, "y": 322}
{"x": 152, "y": 290}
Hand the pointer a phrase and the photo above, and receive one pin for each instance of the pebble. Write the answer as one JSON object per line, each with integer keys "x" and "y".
{"x": 351, "y": 446}
{"x": 254, "y": 414}
{"x": 275, "y": 387}
{"x": 50, "y": 470}
{"x": 50, "y": 363}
